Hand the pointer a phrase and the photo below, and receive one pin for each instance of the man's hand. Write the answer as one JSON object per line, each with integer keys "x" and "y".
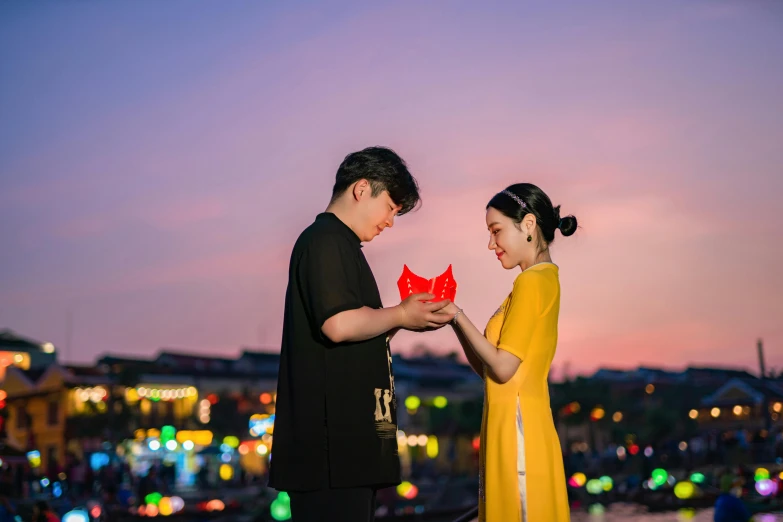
{"x": 416, "y": 314}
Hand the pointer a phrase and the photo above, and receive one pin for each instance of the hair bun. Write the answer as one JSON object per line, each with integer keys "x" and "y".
{"x": 567, "y": 225}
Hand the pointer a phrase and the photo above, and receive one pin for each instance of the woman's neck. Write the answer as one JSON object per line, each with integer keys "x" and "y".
{"x": 542, "y": 257}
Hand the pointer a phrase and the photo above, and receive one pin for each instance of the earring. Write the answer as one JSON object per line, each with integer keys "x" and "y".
{"x": 529, "y": 238}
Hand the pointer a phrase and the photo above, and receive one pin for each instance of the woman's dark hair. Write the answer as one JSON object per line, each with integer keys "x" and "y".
{"x": 518, "y": 200}
{"x": 385, "y": 170}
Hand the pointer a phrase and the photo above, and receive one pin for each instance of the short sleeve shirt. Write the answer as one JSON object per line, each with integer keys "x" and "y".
{"x": 335, "y": 402}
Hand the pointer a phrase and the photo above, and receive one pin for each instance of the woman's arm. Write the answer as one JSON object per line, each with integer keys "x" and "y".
{"x": 473, "y": 359}
{"x": 501, "y": 365}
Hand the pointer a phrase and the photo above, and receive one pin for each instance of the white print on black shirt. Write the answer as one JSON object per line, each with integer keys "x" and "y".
{"x": 384, "y": 425}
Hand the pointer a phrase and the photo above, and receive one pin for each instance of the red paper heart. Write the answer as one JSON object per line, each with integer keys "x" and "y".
{"x": 442, "y": 287}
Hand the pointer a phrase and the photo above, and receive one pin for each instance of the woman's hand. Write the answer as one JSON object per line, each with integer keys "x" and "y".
{"x": 450, "y": 309}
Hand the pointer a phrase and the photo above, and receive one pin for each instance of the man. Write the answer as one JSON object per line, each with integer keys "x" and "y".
{"x": 335, "y": 438}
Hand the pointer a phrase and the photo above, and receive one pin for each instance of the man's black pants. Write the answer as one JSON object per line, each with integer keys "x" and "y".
{"x": 333, "y": 505}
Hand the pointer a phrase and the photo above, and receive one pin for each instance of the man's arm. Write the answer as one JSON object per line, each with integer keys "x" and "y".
{"x": 365, "y": 323}
{"x": 361, "y": 324}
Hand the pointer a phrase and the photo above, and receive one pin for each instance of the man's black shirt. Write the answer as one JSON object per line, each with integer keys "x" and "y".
{"x": 335, "y": 417}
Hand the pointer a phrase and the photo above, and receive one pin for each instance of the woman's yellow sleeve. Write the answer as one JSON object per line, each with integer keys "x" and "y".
{"x": 521, "y": 317}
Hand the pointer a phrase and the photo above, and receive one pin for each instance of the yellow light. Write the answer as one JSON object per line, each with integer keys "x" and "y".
{"x": 684, "y": 490}
{"x": 617, "y": 417}
{"x": 262, "y": 449}
{"x": 200, "y": 437}
{"x": 47, "y": 347}
{"x": 579, "y": 478}
{"x": 649, "y": 389}
{"x": 164, "y": 506}
{"x": 597, "y": 413}
{"x": 412, "y": 402}
{"x": 192, "y": 392}
{"x": 231, "y": 441}
{"x": 413, "y": 440}
{"x": 226, "y": 472}
{"x": 432, "y": 446}
{"x": 737, "y": 410}
{"x": 402, "y": 439}
{"x": 131, "y": 395}
{"x": 440, "y": 401}
{"x": 715, "y": 412}
{"x": 693, "y": 414}
{"x": 18, "y": 358}
{"x": 3, "y": 395}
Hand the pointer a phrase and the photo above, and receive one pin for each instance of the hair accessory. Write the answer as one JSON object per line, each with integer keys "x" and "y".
{"x": 560, "y": 223}
{"x": 515, "y": 198}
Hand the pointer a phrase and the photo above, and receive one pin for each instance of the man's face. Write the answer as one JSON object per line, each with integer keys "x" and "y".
{"x": 377, "y": 213}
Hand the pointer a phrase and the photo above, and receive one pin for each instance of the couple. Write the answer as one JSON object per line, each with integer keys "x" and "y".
{"x": 335, "y": 437}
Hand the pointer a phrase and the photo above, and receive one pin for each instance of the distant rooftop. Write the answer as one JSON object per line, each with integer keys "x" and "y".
{"x": 11, "y": 341}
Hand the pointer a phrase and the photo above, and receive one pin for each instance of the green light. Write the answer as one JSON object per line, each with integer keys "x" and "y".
{"x": 594, "y": 487}
{"x": 606, "y": 483}
{"x": 440, "y": 401}
{"x": 660, "y": 476}
{"x": 697, "y": 478}
{"x": 412, "y": 402}
{"x": 281, "y": 507}
{"x": 167, "y": 433}
{"x": 596, "y": 509}
{"x": 153, "y": 498}
{"x": 762, "y": 474}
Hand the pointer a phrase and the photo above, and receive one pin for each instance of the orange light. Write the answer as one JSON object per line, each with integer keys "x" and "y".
{"x": 215, "y": 505}
{"x": 3, "y": 395}
{"x": 265, "y": 398}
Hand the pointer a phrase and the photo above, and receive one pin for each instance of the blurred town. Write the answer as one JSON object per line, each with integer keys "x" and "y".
{"x": 130, "y": 438}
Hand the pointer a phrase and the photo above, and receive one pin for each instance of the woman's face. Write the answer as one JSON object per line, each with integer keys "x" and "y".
{"x": 507, "y": 239}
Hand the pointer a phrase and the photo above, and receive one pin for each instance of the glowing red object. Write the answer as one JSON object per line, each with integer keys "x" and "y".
{"x": 212, "y": 398}
{"x": 442, "y": 287}
{"x": 634, "y": 449}
{"x": 476, "y": 443}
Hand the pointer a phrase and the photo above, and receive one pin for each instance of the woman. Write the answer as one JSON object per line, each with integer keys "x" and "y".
{"x": 514, "y": 356}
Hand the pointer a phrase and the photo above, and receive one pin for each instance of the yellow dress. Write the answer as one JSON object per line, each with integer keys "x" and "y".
{"x": 527, "y": 484}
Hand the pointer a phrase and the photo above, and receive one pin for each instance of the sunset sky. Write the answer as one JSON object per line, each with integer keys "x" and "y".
{"x": 158, "y": 160}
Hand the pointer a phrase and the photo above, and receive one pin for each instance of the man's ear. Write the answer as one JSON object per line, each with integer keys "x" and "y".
{"x": 360, "y": 188}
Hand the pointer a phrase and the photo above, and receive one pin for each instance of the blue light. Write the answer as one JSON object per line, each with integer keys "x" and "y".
{"x": 77, "y": 515}
{"x": 57, "y": 490}
{"x": 98, "y": 460}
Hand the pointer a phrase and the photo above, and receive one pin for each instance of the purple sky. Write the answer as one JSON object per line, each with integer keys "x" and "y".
{"x": 157, "y": 161}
